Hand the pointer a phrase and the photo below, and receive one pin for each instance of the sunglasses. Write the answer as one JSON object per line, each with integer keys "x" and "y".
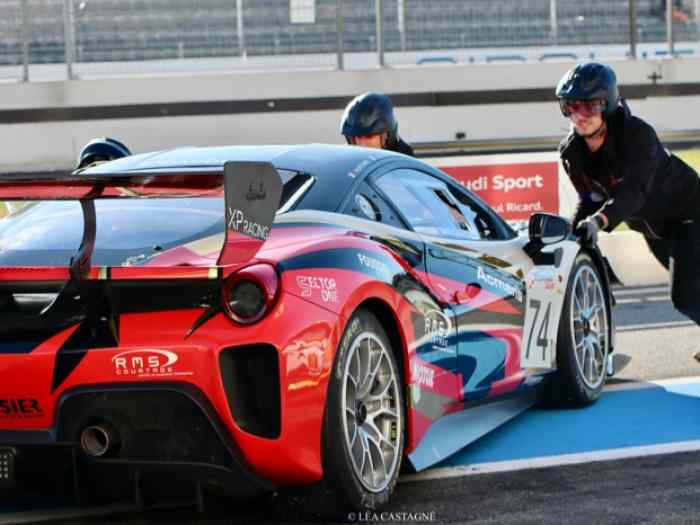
{"x": 586, "y": 108}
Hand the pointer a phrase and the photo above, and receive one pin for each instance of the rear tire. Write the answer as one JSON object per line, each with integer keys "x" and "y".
{"x": 363, "y": 435}
{"x": 583, "y": 341}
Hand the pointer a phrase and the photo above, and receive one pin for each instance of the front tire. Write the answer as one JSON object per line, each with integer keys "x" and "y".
{"x": 363, "y": 437}
{"x": 583, "y": 341}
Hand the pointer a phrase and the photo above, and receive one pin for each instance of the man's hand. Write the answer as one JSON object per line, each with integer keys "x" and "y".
{"x": 588, "y": 228}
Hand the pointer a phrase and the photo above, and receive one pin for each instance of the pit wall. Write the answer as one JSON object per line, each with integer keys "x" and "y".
{"x": 51, "y": 141}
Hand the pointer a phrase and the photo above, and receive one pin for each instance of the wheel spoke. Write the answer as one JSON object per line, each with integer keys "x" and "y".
{"x": 584, "y": 359}
{"x": 358, "y": 450}
{"x": 598, "y": 349}
{"x": 383, "y": 393}
{"x": 579, "y": 294}
{"x": 373, "y": 374}
{"x": 591, "y": 363}
{"x": 386, "y": 412}
{"x": 602, "y": 341}
{"x": 376, "y": 442}
{"x": 379, "y": 438}
{"x": 353, "y": 438}
{"x": 364, "y": 356}
{"x": 368, "y": 454}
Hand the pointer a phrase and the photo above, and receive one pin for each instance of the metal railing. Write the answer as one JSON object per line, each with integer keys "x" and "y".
{"x": 39, "y": 38}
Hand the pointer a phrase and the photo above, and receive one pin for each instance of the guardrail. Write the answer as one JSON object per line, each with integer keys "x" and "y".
{"x": 688, "y": 138}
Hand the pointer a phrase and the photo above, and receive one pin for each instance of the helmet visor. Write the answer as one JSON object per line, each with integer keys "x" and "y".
{"x": 587, "y": 108}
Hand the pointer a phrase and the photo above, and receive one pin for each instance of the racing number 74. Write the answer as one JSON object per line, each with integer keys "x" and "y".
{"x": 542, "y": 340}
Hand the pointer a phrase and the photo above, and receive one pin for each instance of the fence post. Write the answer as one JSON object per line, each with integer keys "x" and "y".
{"x": 633, "y": 29}
{"x": 69, "y": 36}
{"x": 239, "y": 28}
{"x": 669, "y": 27}
{"x": 401, "y": 17}
{"x": 379, "y": 4}
{"x": 339, "y": 33}
{"x": 553, "y": 24}
{"x": 25, "y": 42}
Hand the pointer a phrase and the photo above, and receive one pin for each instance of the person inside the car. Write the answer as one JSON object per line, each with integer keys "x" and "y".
{"x": 101, "y": 150}
{"x": 623, "y": 173}
{"x": 369, "y": 121}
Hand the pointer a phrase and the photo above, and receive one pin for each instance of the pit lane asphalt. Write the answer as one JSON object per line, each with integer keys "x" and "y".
{"x": 658, "y": 489}
{"x": 652, "y": 489}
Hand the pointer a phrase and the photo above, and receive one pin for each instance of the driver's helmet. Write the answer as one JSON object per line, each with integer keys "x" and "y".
{"x": 368, "y": 114}
{"x": 101, "y": 150}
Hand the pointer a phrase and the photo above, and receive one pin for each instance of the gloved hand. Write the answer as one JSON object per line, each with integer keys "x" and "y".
{"x": 588, "y": 229}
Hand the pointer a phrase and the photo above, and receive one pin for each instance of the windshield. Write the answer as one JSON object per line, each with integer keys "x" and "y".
{"x": 129, "y": 232}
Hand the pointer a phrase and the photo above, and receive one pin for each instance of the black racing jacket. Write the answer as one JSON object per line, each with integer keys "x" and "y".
{"x": 400, "y": 146}
{"x": 633, "y": 178}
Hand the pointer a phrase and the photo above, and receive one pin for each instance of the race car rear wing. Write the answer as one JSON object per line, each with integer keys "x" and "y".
{"x": 251, "y": 190}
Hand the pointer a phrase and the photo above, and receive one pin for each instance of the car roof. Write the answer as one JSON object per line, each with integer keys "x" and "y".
{"x": 335, "y": 167}
{"x": 294, "y": 157}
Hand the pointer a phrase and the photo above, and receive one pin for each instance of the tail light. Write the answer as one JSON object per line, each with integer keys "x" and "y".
{"x": 250, "y": 293}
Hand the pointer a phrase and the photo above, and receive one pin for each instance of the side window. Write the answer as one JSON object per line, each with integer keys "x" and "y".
{"x": 429, "y": 206}
{"x": 368, "y": 204}
{"x": 481, "y": 220}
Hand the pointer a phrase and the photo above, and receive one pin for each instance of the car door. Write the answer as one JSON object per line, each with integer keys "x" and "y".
{"x": 483, "y": 290}
{"x": 433, "y": 350}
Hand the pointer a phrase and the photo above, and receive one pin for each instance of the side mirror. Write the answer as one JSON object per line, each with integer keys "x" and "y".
{"x": 545, "y": 228}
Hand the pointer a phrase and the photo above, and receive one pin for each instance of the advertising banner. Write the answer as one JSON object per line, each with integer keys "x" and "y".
{"x": 515, "y": 185}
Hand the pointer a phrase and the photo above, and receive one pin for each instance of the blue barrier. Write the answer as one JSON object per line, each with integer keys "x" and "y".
{"x": 435, "y": 60}
{"x": 664, "y": 52}
{"x": 503, "y": 58}
{"x": 557, "y": 56}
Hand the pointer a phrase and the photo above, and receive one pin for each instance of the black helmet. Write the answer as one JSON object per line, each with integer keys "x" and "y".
{"x": 367, "y": 114}
{"x": 101, "y": 149}
{"x": 590, "y": 81}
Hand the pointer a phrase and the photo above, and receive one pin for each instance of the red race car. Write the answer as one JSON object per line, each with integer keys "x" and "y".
{"x": 259, "y": 318}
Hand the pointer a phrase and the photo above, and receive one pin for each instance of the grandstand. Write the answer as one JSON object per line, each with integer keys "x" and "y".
{"x": 131, "y": 30}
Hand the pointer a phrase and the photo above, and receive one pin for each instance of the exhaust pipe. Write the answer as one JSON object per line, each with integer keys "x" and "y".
{"x": 99, "y": 440}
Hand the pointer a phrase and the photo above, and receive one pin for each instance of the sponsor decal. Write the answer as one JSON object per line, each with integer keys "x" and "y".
{"x": 437, "y": 326}
{"x": 239, "y": 223}
{"x": 20, "y": 408}
{"x": 514, "y": 190}
{"x": 326, "y": 285}
{"x": 255, "y": 194}
{"x": 545, "y": 278}
{"x": 146, "y": 363}
{"x": 497, "y": 283}
{"x": 421, "y": 374}
{"x": 361, "y": 166}
{"x": 374, "y": 264}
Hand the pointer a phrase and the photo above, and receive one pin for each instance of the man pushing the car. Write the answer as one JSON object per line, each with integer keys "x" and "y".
{"x": 622, "y": 173}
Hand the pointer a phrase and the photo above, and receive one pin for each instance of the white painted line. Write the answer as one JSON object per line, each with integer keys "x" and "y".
{"x": 654, "y": 326}
{"x": 553, "y": 461}
{"x": 677, "y": 381}
{"x": 640, "y": 291}
{"x": 653, "y": 383}
{"x": 629, "y": 386}
{"x": 631, "y": 300}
